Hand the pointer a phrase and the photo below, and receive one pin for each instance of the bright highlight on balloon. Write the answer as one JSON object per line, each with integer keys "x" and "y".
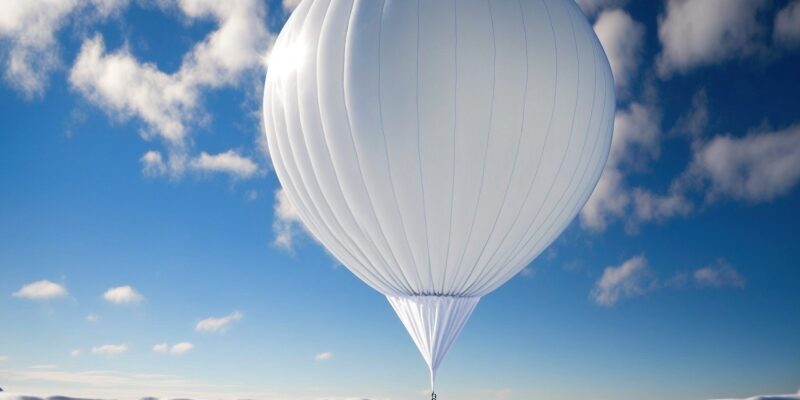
{"x": 437, "y": 147}
{"x": 286, "y": 59}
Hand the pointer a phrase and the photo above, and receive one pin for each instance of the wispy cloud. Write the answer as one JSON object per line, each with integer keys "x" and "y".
{"x": 92, "y": 317}
{"x": 41, "y": 290}
{"x": 229, "y": 162}
{"x": 787, "y": 25}
{"x": 634, "y": 278}
{"x": 629, "y": 279}
{"x": 176, "y": 349}
{"x": 720, "y": 274}
{"x": 44, "y": 366}
{"x": 324, "y": 356}
{"x": 110, "y": 349}
{"x": 122, "y": 295}
{"x": 218, "y": 325}
{"x": 286, "y": 221}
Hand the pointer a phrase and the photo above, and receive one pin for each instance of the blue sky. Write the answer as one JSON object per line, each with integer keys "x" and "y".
{"x": 146, "y": 250}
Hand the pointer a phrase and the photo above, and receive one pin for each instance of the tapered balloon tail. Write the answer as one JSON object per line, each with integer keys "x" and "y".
{"x": 434, "y": 323}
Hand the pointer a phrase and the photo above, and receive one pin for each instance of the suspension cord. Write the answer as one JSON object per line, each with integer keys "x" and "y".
{"x": 433, "y": 396}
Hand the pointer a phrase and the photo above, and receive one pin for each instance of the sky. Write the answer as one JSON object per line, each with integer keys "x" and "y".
{"x": 146, "y": 248}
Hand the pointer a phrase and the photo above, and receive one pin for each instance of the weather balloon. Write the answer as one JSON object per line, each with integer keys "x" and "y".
{"x": 436, "y": 147}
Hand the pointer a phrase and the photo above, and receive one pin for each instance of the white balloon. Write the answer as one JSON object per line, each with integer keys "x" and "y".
{"x": 436, "y": 147}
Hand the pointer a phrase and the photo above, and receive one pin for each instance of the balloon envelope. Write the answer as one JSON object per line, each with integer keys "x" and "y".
{"x": 437, "y": 147}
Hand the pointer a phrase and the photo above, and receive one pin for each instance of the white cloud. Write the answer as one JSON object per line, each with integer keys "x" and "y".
{"x": 229, "y": 162}
{"x": 218, "y": 324}
{"x": 630, "y": 279}
{"x": 41, "y": 290}
{"x": 720, "y": 274}
{"x": 787, "y": 25}
{"x": 169, "y": 103}
{"x": 124, "y": 88}
{"x": 92, "y": 317}
{"x": 29, "y": 28}
{"x": 755, "y": 168}
{"x": 4, "y": 358}
{"x": 153, "y": 163}
{"x": 286, "y": 221}
{"x": 325, "y": 356}
{"x": 122, "y": 295}
{"x": 290, "y": 5}
{"x": 649, "y": 206}
{"x": 75, "y": 352}
{"x": 635, "y": 143}
{"x": 696, "y": 33}
{"x": 180, "y": 348}
{"x": 176, "y": 349}
{"x": 622, "y": 39}
{"x": 592, "y": 7}
{"x": 110, "y": 349}
{"x": 161, "y": 348}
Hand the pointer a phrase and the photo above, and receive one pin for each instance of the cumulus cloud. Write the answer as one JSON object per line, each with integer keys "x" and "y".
{"x": 286, "y": 221}
{"x": 755, "y": 168}
{"x": 218, "y": 325}
{"x": 169, "y": 104}
{"x": 41, "y": 290}
{"x": 109, "y": 349}
{"x": 629, "y": 279}
{"x": 176, "y": 349}
{"x": 696, "y": 33}
{"x": 720, "y": 274}
{"x": 122, "y": 295}
{"x": 635, "y": 143}
{"x": 229, "y": 162}
{"x": 592, "y": 7}
{"x": 75, "y": 352}
{"x": 324, "y": 356}
{"x": 787, "y": 25}
{"x": 29, "y": 27}
{"x": 622, "y": 39}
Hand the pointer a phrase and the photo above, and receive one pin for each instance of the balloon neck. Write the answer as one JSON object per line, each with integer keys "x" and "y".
{"x": 433, "y": 395}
